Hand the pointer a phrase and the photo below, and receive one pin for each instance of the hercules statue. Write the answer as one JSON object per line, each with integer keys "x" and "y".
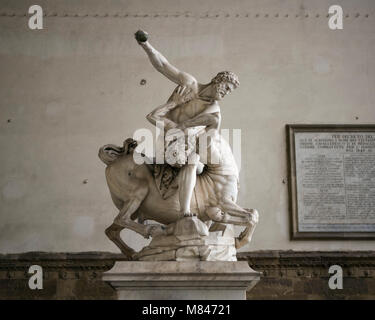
{"x": 203, "y": 187}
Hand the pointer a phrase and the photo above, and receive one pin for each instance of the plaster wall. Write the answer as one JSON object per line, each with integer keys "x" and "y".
{"x": 74, "y": 86}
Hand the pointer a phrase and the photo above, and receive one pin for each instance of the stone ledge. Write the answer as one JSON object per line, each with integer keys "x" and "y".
{"x": 260, "y": 259}
{"x": 44, "y": 256}
{"x": 322, "y": 259}
{"x": 286, "y": 274}
{"x": 60, "y": 260}
{"x": 100, "y": 255}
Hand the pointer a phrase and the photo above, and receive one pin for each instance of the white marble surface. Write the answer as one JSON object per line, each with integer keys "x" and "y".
{"x": 189, "y": 239}
{"x": 163, "y": 280}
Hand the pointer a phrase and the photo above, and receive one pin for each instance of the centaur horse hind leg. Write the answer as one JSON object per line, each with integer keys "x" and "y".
{"x": 135, "y": 194}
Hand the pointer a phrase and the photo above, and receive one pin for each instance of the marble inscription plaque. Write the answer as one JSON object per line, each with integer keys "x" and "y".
{"x": 335, "y": 181}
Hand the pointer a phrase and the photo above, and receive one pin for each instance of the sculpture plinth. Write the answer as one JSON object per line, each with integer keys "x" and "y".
{"x": 186, "y": 280}
{"x": 189, "y": 239}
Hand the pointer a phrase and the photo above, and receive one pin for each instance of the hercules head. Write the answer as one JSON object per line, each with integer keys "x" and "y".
{"x": 224, "y": 83}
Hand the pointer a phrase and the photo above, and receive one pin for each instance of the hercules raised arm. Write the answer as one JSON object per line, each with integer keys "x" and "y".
{"x": 189, "y": 88}
{"x": 162, "y": 64}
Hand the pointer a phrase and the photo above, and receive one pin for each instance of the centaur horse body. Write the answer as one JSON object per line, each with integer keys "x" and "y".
{"x": 135, "y": 193}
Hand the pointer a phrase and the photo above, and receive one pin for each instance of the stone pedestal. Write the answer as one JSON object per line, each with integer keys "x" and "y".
{"x": 181, "y": 280}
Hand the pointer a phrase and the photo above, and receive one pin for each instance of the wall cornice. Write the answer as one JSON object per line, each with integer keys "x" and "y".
{"x": 257, "y": 259}
{"x": 203, "y": 15}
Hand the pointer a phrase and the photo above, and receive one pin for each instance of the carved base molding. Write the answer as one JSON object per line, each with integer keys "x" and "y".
{"x": 182, "y": 280}
{"x": 286, "y": 274}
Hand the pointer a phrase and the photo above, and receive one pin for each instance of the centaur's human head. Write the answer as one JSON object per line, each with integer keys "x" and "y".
{"x": 224, "y": 83}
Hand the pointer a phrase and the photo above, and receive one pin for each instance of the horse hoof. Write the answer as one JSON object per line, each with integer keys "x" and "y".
{"x": 129, "y": 256}
{"x": 237, "y": 244}
{"x": 156, "y": 230}
{"x": 255, "y": 217}
{"x": 215, "y": 213}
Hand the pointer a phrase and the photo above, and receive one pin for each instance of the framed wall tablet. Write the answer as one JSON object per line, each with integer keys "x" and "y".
{"x": 331, "y": 181}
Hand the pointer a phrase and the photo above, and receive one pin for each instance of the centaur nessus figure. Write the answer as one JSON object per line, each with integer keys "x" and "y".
{"x": 165, "y": 193}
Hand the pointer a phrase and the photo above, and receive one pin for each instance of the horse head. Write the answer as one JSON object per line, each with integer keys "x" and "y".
{"x": 110, "y": 152}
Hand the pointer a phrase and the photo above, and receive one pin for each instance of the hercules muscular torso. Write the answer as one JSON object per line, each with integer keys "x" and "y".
{"x": 191, "y": 109}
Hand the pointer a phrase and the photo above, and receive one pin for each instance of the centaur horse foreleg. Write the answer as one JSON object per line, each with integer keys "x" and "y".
{"x": 217, "y": 215}
{"x": 234, "y": 209}
{"x": 124, "y": 217}
{"x": 246, "y": 235}
{"x": 113, "y": 233}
